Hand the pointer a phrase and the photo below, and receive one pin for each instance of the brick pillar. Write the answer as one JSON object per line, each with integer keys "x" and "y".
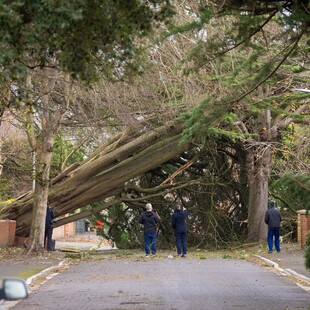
{"x": 303, "y": 226}
{"x": 7, "y": 232}
{"x": 12, "y": 232}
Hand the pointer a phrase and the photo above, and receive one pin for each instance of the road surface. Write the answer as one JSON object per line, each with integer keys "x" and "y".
{"x": 174, "y": 284}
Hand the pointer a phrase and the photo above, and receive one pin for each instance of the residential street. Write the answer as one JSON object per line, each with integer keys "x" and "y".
{"x": 155, "y": 155}
{"x": 165, "y": 283}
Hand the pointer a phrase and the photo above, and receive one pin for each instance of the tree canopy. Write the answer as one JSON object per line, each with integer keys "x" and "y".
{"x": 83, "y": 37}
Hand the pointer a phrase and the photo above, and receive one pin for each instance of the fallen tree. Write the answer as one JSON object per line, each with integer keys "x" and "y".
{"x": 104, "y": 174}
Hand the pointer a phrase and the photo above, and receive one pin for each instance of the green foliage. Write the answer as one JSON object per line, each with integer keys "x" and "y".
{"x": 84, "y": 37}
{"x": 296, "y": 187}
{"x": 226, "y": 256}
{"x": 61, "y": 151}
{"x": 4, "y": 183}
{"x": 230, "y": 134}
{"x": 249, "y": 44}
{"x": 118, "y": 227}
{"x": 208, "y": 113}
{"x": 16, "y": 175}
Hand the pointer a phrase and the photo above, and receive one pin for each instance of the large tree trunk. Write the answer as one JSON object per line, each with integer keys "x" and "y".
{"x": 259, "y": 169}
{"x": 36, "y": 238}
{"x": 258, "y": 161}
{"x": 103, "y": 175}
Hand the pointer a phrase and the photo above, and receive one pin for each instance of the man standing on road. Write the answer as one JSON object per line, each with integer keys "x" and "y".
{"x": 49, "y": 220}
{"x": 149, "y": 219}
{"x": 178, "y": 222}
{"x": 273, "y": 219}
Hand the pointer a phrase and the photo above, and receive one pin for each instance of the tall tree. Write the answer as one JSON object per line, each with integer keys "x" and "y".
{"x": 42, "y": 118}
{"x": 254, "y": 40}
{"x": 85, "y": 39}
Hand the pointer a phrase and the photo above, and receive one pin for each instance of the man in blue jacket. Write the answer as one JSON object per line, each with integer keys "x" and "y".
{"x": 273, "y": 219}
{"x": 149, "y": 219}
{"x": 178, "y": 222}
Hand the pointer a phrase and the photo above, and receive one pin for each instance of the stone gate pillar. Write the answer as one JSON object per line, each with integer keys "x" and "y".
{"x": 303, "y": 226}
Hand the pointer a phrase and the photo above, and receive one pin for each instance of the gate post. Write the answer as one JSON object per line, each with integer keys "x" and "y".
{"x": 7, "y": 232}
{"x": 303, "y": 226}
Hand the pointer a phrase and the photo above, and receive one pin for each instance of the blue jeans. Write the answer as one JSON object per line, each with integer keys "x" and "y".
{"x": 181, "y": 241}
{"x": 274, "y": 235}
{"x": 150, "y": 243}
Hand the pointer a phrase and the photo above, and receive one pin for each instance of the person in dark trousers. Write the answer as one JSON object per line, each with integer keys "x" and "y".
{"x": 49, "y": 220}
{"x": 178, "y": 222}
{"x": 273, "y": 219}
{"x": 149, "y": 219}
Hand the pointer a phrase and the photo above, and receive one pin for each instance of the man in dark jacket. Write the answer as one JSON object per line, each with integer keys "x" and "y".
{"x": 49, "y": 219}
{"x": 149, "y": 219}
{"x": 178, "y": 222}
{"x": 273, "y": 219}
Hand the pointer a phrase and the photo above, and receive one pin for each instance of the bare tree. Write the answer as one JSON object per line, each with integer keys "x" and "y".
{"x": 45, "y": 98}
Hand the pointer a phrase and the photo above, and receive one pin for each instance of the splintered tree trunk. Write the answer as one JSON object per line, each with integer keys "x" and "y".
{"x": 103, "y": 175}
{"x": 258, "y": 165}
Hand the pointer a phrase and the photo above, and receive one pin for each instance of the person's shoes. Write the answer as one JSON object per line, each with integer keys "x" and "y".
{"x": 147, "y": 255}
{"x": 183, "y": 255}
{"x": 179, "y": 254}
{"x": 153, "y": 254}
{"x": 269, "y": 252}
{"x": 279, "y": 251}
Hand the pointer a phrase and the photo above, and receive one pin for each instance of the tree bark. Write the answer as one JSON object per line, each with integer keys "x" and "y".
{"x": 258, "y": 165}
{"x": 37, "y": 224}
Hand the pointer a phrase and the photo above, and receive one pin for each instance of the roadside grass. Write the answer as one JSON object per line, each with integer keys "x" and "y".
{"x": 243, "y": 252}
{"x": 31, "y": 271}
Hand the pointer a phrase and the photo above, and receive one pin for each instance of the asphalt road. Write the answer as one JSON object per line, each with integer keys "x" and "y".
{"x": 174, "y": 284}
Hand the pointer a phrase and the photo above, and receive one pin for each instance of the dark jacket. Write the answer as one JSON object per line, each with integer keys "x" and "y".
{"x": 273, "y": 216}
{"x": 49, "y": 218}
{"x": 150, "y": 220}
{"x": 178, "y": 220}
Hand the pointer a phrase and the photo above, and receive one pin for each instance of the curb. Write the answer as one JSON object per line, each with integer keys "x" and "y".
{"x": 286, "y": 272}
{"x": 44, "y": 273}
